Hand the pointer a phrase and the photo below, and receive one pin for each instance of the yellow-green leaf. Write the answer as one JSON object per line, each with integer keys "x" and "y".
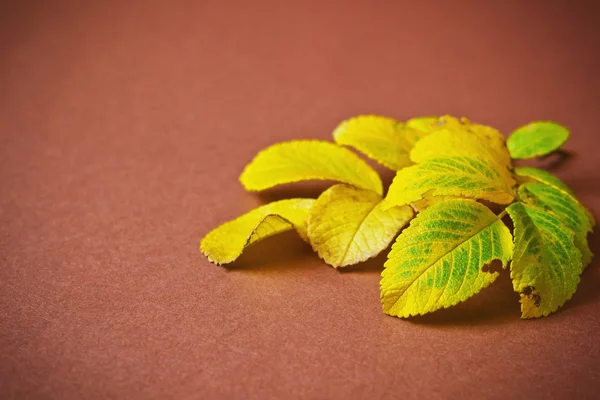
{"x": 437, "y": 261}
{"x": 571, "y": 213}
{"x": 225, "y": 243}
{"x": 536, "y": 139}
{"x": 470, "y": 176}
{"x": 542, "y": 176}
{"x": 306, "y": 160}
{"x": 546, "y": 264}
{"x": 534, "y": 174}
{"x": 383, "y": 139}
{"x": 347, "y": 225}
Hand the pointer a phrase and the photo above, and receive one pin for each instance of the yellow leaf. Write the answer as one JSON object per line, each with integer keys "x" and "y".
{"x": 463, "y": 142}
{"x": 347, "y": 225}
{"x": 306, "y": 160}
{"x": 490, "y": 138}
{"x": 383, "y": 139}
{"x": 426, "y": 124}
{"x": 437, "y": 261}
{"x": 494, "y": 140}
{"x": 430, "y": 124}
{"x": 225, "y": 243}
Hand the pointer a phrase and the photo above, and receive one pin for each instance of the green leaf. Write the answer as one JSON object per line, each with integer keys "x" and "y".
{"x": 306, "y": 160}
{"x": 437, "y": 261}
{"x": 383, "y": 139}
{"x": 546, "y": 264}
{"x": 536, "y": 139}
{"x": 571, "y": 213}
{"x": 226, "y": 243}
{"x": 347, "y": 225}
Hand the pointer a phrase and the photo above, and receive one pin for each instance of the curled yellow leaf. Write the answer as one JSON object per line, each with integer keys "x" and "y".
{"x": 307, "y": 160}
{"x": 226, "y": 243}
{"x": 348, "y": 225}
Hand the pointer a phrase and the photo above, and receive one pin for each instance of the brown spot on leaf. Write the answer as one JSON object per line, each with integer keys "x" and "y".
{"x": 537, "y": 299}
{"x": 531, "y": 294}
{"x": 528, "y": 290}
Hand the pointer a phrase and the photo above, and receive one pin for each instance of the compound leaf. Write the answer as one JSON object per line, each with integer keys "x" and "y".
{"x": 383, "y": 139}
{"x": 225, "y": 243}
{"x": 347, "y": 225}
{"x": 305, "y": 160}
{"x": 546, "y": 264}
{"x": 437, "y": 261}
{"x": 571, "y": 213}
{"x": 536, "y": 139}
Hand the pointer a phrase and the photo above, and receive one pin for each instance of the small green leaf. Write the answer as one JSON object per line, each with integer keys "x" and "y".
{"x": 567, "y": 209}
{"x": 437, "y": 261}
{"x": 546, "y": 264}
{"x": 536, "y": 139}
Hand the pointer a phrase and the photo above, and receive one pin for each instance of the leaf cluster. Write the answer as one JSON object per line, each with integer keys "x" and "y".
{"x": 448, "y": 171}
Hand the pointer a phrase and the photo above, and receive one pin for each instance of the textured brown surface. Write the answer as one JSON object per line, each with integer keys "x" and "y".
{"x": 123, "y": 129}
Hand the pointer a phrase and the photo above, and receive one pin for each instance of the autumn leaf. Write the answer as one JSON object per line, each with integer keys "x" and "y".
{"x": 546, "y": 264}
{"x": 307, "y": 160}
{"x": 383, "y": 139}
{"x": 226, "y": 243}
{"x": 570, "y": 212}
{"x": 453, "y": 163}
{"x": 460, "y": 176}
{"x": 437, "y": 261}
{"x": 531, "y": 174}
{"x": 430, "y": 124}
{"x": 539, "y": 175}
{"x": 482, "y": 142}
{"x": 347, "y": 225}
{"x": 536, "y": 139}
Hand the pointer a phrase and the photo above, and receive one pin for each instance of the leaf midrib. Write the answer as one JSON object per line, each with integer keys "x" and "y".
{"x": 498, "y": 218}
{"x": 343, "y": 258}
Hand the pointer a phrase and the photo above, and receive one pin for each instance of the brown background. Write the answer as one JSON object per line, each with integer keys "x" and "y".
{"x": 123, "y": 131}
